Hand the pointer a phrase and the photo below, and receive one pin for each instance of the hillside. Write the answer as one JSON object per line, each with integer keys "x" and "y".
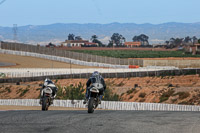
{"x": 58, "y": 32}
{"x": 173, "y": 89}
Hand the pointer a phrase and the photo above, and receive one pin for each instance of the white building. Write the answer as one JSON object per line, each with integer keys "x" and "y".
{"x": 77, "y": 43}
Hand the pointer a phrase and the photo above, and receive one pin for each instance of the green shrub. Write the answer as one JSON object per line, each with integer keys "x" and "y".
{"x": 8, "y": 89}
{"x": 110, "y": 83}
{"x": 165, "y": 96}
{"x": 24, "y": 92}
{"x": 174, "y": 100}
{"x": 142, "y": 95}
{"x": 122, "y": 94}
{"x": 76, "y": 92}
{"x": 136, "y": 53}
{"x": 130, "y": 97}
{"x": 121, "y": 83}
{"x": 109, "y": 96}
{"x": 129, "y": 91}
{"x": 184, "y": 103}
{"x": 182, "y": 95}
{"x": 71, "y": 92}
{"x": 162, "y": 99}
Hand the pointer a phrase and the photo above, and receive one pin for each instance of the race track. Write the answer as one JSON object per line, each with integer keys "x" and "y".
{"x": 100, "y": 122}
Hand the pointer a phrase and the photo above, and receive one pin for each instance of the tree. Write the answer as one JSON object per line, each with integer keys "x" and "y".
{"x": 178, "y": 41}
{"x": 71, "y": 37}
{"x": 51, "y": 45}
{"x": 117, "y": 39}
{"x": 175, "y": 42}
{"x": 94, "y": 39}
{"x": 78, "y": 38}
{"x": 194, "y": 39}
{"x": 110, "y": 44}
{"x": 141, "y": 38}
{"x": 167, "y": 42}
{"x": 187, "y": 40}
{"x": 199, "y": 41}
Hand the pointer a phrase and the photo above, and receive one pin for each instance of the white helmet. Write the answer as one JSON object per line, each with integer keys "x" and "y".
{"x": 47, "y": 81}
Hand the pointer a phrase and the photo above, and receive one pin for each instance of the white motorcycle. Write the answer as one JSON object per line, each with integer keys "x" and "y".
{"x": 46, "y": 95}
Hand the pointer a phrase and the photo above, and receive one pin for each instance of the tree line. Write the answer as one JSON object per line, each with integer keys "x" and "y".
{"x": 118, "y": 40}
{"x": 179, "y": 42}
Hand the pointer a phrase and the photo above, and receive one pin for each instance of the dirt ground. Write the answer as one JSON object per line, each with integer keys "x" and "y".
{"x": 172, "y": 89}
{"x": 32, "y": 62}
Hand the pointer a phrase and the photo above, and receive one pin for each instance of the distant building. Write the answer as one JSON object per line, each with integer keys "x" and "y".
{"x": 74, "y": 43}
{"x": 132, "y": 44}
{"x": 78, "y": 43}
{"x": 194, "y": 49}
{"x": 90, "y": 44}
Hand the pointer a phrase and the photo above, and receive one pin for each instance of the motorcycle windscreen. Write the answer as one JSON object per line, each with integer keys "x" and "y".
{"x": 47, "y": 90}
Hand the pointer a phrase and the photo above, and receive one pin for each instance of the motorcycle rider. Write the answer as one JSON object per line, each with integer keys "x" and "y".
{"x": 49, "y": 83}
{"x": 95, "y": 78}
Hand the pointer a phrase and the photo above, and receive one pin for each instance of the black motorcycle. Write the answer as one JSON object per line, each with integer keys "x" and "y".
{"x": 94, "y": 97}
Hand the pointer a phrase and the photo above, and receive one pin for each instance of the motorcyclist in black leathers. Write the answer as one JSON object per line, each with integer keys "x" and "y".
{"x": 96, "y": 77}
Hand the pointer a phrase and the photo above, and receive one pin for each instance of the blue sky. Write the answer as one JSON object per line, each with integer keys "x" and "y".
{"x": 42, "y": 12}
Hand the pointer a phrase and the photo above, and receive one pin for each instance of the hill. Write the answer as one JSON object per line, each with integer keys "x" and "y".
{"x": 168, "y": 89}
{"x": 58, "y": 32}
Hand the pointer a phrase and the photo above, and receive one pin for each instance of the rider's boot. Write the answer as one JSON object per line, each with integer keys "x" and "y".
{"x": 40, "y": 102}
{"x": 100, "y": 98}
{"x": 85, "y": 101}
{"x": 86, "y": 97}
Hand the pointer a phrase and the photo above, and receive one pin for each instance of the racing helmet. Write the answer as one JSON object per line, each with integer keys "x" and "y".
{"x": 47, "y": 81}
{"x": 95, "y": 74}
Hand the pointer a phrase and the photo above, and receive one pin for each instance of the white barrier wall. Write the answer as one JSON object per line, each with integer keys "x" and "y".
{"x": 112, "y": 105}
{"x": 67, "y": 60}
{"x": 34, "y": 72}
{"x": 61, "y": 59}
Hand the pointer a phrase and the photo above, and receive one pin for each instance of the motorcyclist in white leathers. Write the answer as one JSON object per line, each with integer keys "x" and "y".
{"x": 49, "y": 83}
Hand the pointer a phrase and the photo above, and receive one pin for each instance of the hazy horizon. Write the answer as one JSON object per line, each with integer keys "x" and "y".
{"x": 23, "y": 12}
{"x": 103, "y": 24}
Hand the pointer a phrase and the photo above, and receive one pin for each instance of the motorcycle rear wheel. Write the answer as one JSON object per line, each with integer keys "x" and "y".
{"x": 91, "y": 105}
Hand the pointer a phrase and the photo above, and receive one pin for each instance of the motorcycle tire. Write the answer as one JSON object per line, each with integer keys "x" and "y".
{"x": 91, "y": 105}
{"x": 45, "y": 104}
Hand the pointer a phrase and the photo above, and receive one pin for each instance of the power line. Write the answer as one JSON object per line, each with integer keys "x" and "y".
{"x": 2, "y": 1}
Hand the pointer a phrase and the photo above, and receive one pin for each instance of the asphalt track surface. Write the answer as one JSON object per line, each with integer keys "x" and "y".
{"x": 101, "y": 121}
{"x": 6, "y": 64}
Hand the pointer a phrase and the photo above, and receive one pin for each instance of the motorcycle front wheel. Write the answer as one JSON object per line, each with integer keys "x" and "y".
{"x": 45, "y": 104}
{"x": 91, "y": 105}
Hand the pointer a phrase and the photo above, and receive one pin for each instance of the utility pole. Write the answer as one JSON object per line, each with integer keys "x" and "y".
{"x": 70, "y": 69}
{"x": 15, "y": 32}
